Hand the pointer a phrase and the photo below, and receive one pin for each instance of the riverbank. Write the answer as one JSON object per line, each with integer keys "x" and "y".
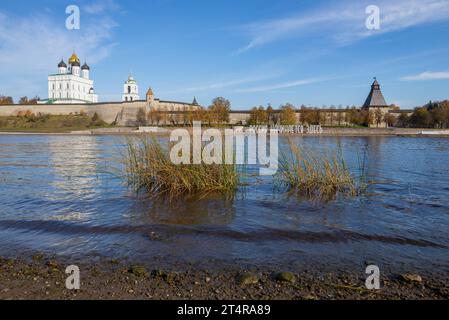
{"x": 344, "y": 132}
{"x": 44, "y": 278}
{"x": 30, "y": 123}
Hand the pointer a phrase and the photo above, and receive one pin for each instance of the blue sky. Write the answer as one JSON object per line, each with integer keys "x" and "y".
{"x": 252, "y": 52}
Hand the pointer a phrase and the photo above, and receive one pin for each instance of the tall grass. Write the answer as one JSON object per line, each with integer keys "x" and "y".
{"x": 149, "y": 167}
{"x": 318, "y": 175}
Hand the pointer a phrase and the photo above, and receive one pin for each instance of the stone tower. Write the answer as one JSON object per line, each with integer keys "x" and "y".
{"x": 377, "y": 107}
{"x": 150, "y": 95}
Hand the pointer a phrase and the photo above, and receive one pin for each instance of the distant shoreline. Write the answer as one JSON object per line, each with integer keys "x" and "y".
{"x": 327, "y": 131}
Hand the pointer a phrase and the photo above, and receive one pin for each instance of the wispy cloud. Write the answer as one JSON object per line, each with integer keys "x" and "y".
{"x": 282, "y": 85}
{"x": 223, "y": 84}
{"x": 345, "y": 22}
{"x": 32, "y": 45}
{"x": 101, "y": 6}
{"x": 427, "y": 76}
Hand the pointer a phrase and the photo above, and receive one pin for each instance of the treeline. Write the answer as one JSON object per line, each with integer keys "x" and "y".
{"x": 24, "y": 100}
{"x": 217, "y": 113}
{"x": 432, "y": 115}
{"x": 287, "y": 115}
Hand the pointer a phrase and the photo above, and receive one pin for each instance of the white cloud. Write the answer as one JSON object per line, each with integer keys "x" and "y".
{"x": 345, "y": 22}
{"x": 31, "y": 46}
{"x": 278, "y": 86}
{"x": 36, "y": 43}
{"x": 427, "y": 76}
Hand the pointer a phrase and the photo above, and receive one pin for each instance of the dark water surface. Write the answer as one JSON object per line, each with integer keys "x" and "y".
{"x": 61, "y": 195}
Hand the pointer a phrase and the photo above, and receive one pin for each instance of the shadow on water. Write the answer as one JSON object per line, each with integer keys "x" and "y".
{"x": 213, "y": 210}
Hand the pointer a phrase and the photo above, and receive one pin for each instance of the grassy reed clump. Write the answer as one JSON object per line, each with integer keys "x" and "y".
{"x": 317, "y": 175}
{"x": 149, "y": 167}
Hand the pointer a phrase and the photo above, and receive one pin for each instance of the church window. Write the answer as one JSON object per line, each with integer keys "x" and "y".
{"x": 129, "y": 89}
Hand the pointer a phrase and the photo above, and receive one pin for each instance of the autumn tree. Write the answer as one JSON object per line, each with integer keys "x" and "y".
{"x": 25, "y": 100}
{"x": 220, "y": 109}
{"x": 378, "y": 117}
{"x": 389, "y": 119}
{"x": 420, "y": 118}
{"x": 6, "y": 100}
{"x": 141, "y": 117}
{"x": 253, "y": 116}
{"x": 270, "y": 114}
{"x": 288, "y": 114}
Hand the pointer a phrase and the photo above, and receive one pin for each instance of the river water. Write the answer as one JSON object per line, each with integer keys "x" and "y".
{"x": 64, "y": 196}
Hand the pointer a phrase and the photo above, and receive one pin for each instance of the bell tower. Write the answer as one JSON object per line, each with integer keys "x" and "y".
{"x": 130, "y": 90}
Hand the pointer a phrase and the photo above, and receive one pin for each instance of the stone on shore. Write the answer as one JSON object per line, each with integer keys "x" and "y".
{"x": 285, "y": 277}
{"x": 412, "y": 278}
{"x": 247, "y": 278}
{"x": 138, "y": 271}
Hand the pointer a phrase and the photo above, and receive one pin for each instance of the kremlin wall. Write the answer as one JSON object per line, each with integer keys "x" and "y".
{"x": 71, "y": 92}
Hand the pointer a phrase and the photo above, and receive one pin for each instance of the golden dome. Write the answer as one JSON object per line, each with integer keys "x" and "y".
{"x": 74, "y": 59}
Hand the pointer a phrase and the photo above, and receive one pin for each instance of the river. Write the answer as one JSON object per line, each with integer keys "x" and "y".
{"x": 64, "y": 195}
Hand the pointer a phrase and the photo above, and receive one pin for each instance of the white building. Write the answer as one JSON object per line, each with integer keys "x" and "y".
{"x": 130, "y": 90}
{"x": 71, "y": 85}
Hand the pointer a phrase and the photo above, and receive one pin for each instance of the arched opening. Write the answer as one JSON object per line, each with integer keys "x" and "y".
{"x": 129, "y": 89}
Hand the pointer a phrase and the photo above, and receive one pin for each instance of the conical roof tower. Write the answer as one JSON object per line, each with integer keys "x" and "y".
{"x": 375, "y": 98}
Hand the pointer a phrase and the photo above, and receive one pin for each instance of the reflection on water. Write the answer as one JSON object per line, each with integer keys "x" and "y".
{"x": 74, "y": 171}
{"x": 194, "y": 212}
{"x": 57, "y": 195}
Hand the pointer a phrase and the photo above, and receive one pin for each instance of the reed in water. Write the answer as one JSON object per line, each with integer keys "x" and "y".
{"x": 319, "y": 175}
{"x": 149, "y": 167}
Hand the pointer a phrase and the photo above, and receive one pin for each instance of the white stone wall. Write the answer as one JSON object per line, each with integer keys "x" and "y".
{"x": 123, "y": 113}
{"x": 160, "y": 105}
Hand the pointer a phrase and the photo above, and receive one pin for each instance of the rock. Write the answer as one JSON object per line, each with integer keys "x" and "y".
{"x": 247, "y": 279}
{"x": 154, "y": 236}
{"x": 158, "y": 273}
{"x": 167, "y": 277}
{"x": 285, "y": 277}
{"x": 138, "y": 271}
{"x": 52, "y": 265}
{"x": 410, "y": 277}
{"x": 38, "y": 257}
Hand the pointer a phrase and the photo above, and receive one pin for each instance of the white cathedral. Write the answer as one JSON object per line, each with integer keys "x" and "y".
{"x": 71, "y": 85}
